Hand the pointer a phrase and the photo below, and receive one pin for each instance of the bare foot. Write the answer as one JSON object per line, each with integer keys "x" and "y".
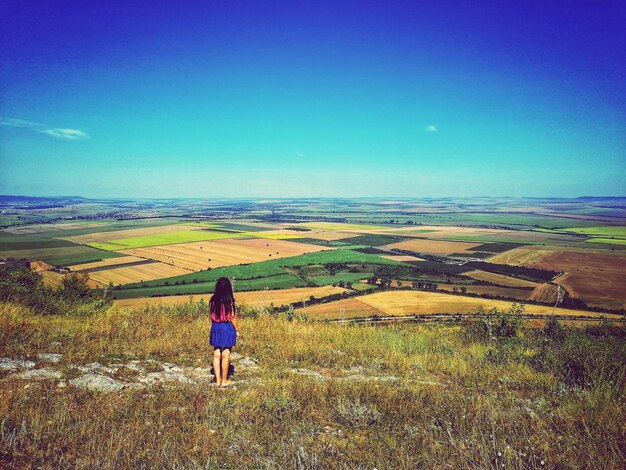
{"x": 227, "y": 383}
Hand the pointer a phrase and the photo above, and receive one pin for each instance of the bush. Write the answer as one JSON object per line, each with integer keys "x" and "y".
{"x": 494, "y": 324}
{"x": 356, "y": 414}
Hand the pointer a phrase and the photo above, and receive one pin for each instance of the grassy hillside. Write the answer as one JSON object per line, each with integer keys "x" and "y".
{"x": 318, "y": 395}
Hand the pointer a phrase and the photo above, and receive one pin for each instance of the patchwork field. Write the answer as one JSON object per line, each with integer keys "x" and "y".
{"x": 252, "y": 298}
{"x": 499, "y": 279}
{"x": 417, "y": 302}
{"x": 432, "y": 246}
{"x": 137, "y": 273}
{"x": 224, "y": 252}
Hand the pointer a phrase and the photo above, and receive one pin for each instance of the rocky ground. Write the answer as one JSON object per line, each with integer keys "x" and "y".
{"x": 135, "y": 374}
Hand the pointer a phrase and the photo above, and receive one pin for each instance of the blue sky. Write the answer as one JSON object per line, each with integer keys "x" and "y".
{"x": 312, "y": 98}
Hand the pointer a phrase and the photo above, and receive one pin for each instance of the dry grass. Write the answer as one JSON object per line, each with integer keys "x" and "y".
{"x": 450, "y": 407}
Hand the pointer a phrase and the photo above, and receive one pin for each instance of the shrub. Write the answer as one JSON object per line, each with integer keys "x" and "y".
{"x": 356, "y": 414}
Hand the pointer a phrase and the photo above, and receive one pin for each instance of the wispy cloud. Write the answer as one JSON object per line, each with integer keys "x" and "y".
{"x": 67, "y": 134}
{"x": 430, "y": 128}
{"x": 300, "y": 154}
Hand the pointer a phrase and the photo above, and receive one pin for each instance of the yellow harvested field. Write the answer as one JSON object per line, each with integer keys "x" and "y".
{"x": 432, "y": 246}
{"x": 257, "y": 297}
{"x": 328, "y": 235}
{"x": 138, "y": 273}
{"x": 500, "y": 279}
{"x": 39, "y": 266}
{"x": 106, "y": 262}
{"x": 544, "y": 293}
{"x": 444, "y": 231}
{"x": 345, "y": 308}
{"x": 133, "y": 232}
{"x": 52, "y": 278}
{"x": 224, "y": 252}
{"x": 402, "y": 257}
{"x": 522, "y": 256}
{"x": 394, "y": 302}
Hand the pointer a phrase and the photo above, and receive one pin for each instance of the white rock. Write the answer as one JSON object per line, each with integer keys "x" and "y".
{"x": 248, "y": 362}
{"x": 39, "y": 374}
{"x": 7, "y": 363}
{"x": 309, "y": 373}
{"x": 50, "y": 357}
{"x": 97, "y": 383}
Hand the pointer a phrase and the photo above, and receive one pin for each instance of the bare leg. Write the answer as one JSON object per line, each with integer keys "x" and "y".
{"x": 225, "y": 364}
{"x": 217, "y": 366}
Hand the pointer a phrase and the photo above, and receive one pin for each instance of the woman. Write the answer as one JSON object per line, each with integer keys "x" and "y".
{"x": 224, "y": 329}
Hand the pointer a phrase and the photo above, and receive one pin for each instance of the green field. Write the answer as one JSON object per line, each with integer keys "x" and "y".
{"x": 279, "y": 281}
{"x": 272, "y": 267}
{"x": 62, "y": 256}
{"x": 608, "y": 241}
{"x": 617, "y": 232}
{"x": 9, "y": 242}
{"x": 170, "y": 238}
{"x": 340, "y": 276}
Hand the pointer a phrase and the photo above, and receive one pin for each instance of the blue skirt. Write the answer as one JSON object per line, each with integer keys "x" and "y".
{"x": 223, "y": 335}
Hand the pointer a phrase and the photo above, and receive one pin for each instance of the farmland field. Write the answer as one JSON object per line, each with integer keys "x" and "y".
{"x": 500, "y": 279}
{"x": 260, "y": 297}
{"x": 137, "y": 273}
{"x": 432, "y": 246}
{"x": 182, "y": 247}
{"x": 597, "y": 279}
{"x": 224, "y": 252}
{"x": 171, "y": 238}
{"x": 415, "y": 302}
{"x": 60, "y": 256}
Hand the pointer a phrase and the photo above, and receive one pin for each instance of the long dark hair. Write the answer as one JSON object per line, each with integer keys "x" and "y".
{"x": 223, "y": 296}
